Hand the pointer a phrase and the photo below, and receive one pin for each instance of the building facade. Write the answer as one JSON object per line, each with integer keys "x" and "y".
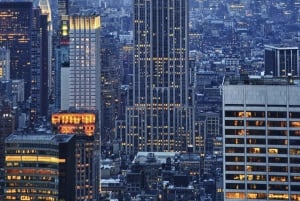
{"x": 282, "y": 61}
{"x": 84, "y": 78}
{"x": 110, "y": 85}
{"x": 39, "y": 166}
{"x": 62, "y": 65}
{"x": 261, "y": 128}
{"x": 39, "y": 66}
{"x": 4, "y": 64}
{"x": 15, "y": 35}
{"x": 160, "y": 117}
{"x": 82, "y": 124}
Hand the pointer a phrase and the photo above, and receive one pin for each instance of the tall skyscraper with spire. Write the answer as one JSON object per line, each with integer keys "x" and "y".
{"x": 160, "y": 117}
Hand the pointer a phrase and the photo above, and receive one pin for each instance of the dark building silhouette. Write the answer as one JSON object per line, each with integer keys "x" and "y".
{"x": 39, "y": 66}
{"x": 282, "y": 61}
{"x": 15, "y": 34}
{"x": 110, "y": 82}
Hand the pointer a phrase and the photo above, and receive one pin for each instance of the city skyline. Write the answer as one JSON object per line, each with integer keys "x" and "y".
{"x": 157, "y": 100}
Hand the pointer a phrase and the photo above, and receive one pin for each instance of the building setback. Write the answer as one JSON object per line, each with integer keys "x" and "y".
{"x": 261, "y": 128}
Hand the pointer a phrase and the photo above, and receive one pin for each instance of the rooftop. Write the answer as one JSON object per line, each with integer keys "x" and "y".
{"x": 153, "y": 157}
{"x": 37, "y": 137}
{"x": 261, "y": 80}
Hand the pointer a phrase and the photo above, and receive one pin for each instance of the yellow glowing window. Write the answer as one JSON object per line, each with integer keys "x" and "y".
{"x": 297, "y": 178}
{"x": 295, "y": 124}
{"x": 249, "y": 177}
{"x": 279, "y": 196}
{"x": 235, "y": 195}
{"x": 1, "y": 72}
{"x": 273, "y": 151}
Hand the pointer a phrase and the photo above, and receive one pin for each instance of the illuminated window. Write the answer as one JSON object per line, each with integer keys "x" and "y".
{"x": 273, "y": 151}
{"x": 295, "y": 124}
{"x": 279, "y": 196}
{"x": 235, "y": 195}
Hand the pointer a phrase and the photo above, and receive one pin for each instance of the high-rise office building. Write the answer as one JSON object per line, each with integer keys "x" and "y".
{"x": 39, "y": 166}
{"x": 261, "y": 128}
{"x": 7, "y": 126}
{"x": 63, "y": 7}
{"x": 84, "y": 78}
{"x": 161, "y": 115}
{"x": 15, "y": 35}
{"x": 110, "y": 82}
{"x": 282, "y": 61}
{"x": 45, "y": 7}
{"x": 39, "y": 66}
{"x": 4, "y": 64}
{"x": 83, "y": 125}
{"x": 62, "y": 64}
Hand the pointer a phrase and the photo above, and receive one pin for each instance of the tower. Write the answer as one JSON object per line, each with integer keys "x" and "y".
{"x": 4, "y": 64}
{"x": 160, "y": 117}
{"x": 84, "y": 78}
{"x": 39, "y": 66}
{"x": 110, "y": 81}
{"x": 15, "y": 35}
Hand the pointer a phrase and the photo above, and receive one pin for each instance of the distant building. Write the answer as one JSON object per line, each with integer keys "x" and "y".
{"x": 62, "y": 64}
{"x": 7, "y": 126}
{"x": 18, "y": 91}
{"x": 4, "y": 64}
{"x": 63, "y": 7}
{"x": 110, "y": 85}
{"x": 39, "y": 166}
{"x": 282, "y": 61}
{"x": 15, "y": 35}
{"x": 261, "y": 118}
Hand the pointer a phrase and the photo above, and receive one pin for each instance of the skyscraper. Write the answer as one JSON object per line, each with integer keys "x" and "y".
{"x": 39, "y": 66}
{"x": 4, "y": 64}
{"x": 110, "y": 82}
{"x": 15, "y": 35}
{"x": 282, "y": 61}
{"x": 39, "y": 166}
{"x": 261, "y": 119}
{"x": 83, "y": 125}
{"x": 62, "y": 65}
{"x": 161, "y": 115}
{"x": 84, "y": 78}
